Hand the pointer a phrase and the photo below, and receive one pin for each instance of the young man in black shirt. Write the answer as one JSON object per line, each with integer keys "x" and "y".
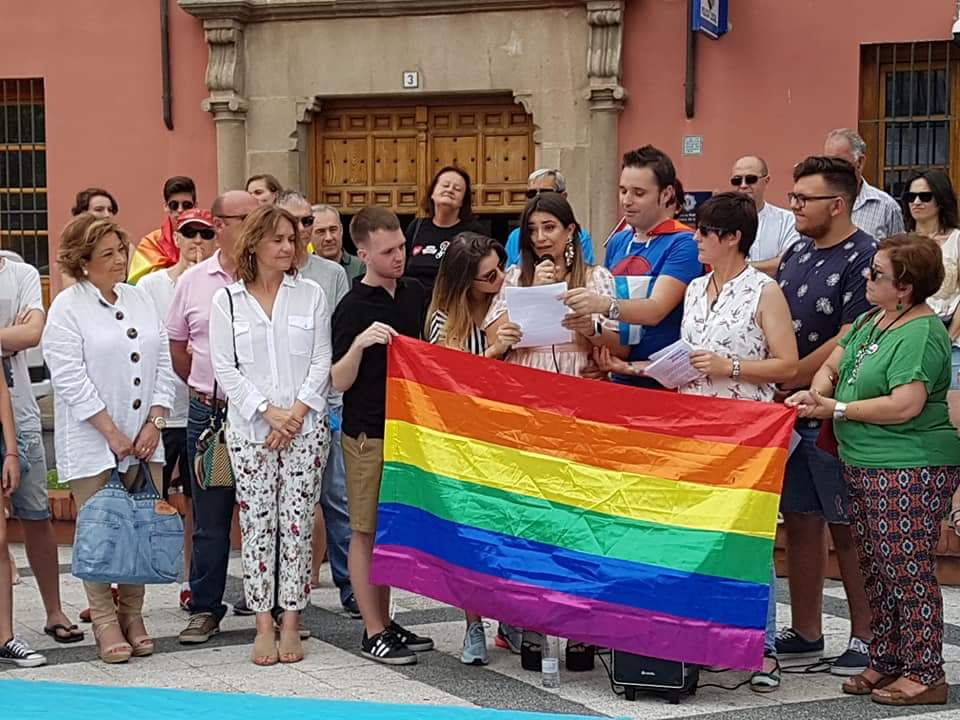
{"x": 378, "y": 308}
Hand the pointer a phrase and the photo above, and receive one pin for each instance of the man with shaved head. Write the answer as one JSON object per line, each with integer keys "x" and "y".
{"x": 188, "y": 325}
{"x": 777, "y": 229}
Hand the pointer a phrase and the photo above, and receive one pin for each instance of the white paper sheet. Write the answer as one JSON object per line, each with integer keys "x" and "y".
{"x": 539, "y": 312}
{"x": 671, "y": 366}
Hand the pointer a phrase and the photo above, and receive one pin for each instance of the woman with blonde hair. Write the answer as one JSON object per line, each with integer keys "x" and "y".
{"x": 270, "y": 345}
{"x": 109, "y": 359}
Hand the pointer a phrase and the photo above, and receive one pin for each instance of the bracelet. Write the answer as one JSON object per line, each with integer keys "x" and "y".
{"x": 735, "y": 369}
{"x": 16, "y": 455}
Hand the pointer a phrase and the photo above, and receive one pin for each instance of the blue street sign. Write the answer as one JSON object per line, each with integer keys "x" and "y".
{"x": 711, "y": 17}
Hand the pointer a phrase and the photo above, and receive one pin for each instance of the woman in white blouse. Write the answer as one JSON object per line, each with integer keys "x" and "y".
{"x": 270, "y": 344}
{"x": 109, "y": 362}
{"x": 738, "y": 323}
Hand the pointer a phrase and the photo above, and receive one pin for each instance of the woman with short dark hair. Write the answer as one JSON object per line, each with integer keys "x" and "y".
{"x": 885, "y": 389}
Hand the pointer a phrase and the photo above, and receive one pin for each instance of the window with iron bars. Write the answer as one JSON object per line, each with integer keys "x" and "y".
{"x": 23, "y": 172}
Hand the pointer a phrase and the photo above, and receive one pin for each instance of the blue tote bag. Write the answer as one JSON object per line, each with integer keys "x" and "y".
{"x": 128, "y": 538}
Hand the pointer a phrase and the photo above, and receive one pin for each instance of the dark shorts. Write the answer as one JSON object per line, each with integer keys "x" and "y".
{"x": 175, "y": 451}
{"x": 814, "y": 482}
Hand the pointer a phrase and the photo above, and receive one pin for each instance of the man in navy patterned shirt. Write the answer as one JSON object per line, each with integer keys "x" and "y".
{"x": 822, "y": 278}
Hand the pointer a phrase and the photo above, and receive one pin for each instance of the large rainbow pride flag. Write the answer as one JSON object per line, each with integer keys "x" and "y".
{"x": 634, "y": 519}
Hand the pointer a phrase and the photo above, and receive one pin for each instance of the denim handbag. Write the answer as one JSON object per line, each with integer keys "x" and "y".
{"x": 128, "y": 538}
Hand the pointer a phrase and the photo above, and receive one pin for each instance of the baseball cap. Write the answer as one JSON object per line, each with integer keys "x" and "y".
{"x": 195, "y": 216}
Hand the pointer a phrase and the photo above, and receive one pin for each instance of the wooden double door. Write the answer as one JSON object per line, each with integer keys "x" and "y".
{"x": 386, "y": 153}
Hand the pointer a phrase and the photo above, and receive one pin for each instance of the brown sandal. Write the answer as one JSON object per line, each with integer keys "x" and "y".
{"x": 112, "y": 654}
{"x": 142, "y": 645}
{"x": 933, "y": 695}
{"x": 860, "y": 685}
{"x": 264, "y": 651}
{"x": 291, "y": 647}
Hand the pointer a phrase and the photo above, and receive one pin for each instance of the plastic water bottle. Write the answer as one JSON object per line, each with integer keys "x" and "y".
{"x": 550, "y": 663}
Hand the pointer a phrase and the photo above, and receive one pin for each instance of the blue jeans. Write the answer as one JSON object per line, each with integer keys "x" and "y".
{"x": 333, "y": 503}
{"x": 770, "y": 636}
{"x": 212, "y": 517}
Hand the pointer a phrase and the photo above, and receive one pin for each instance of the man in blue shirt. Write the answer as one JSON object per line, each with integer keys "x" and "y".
{"x": 546, "y": 180}
{"x": 653, "y": 260}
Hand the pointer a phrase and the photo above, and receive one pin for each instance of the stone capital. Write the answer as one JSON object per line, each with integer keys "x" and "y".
{"x": 226, "y": 106}
{"x": 606, "y": 98}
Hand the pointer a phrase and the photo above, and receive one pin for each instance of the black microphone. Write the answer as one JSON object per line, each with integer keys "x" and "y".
{"x": 543, "y": 259}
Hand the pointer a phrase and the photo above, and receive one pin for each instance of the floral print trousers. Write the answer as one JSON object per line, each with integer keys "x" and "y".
{"x": 895, "y": 517}
{"x": 277, "y": 491}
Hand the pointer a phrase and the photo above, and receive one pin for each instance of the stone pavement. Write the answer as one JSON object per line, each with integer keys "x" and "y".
{"x": 333, "y": 668}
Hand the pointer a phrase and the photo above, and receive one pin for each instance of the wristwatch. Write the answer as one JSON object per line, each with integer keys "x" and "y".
{"x": 613, "y": 312}
{"x": 840, "y": 412}
{"x": 159, "y": 422}
{"x": 262, "y": 407}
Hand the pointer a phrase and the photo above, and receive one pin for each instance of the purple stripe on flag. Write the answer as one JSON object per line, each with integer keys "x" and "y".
{"x": 589, "y": 621}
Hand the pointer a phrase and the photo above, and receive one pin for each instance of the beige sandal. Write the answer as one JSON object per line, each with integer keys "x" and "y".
{"x": 291, "y": 647}
{"x": 264, "y": 651}
{"x": 142, "y": 645}
{"x": 112, "y": 654}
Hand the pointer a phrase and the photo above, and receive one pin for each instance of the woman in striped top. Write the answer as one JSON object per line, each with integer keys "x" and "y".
{"x": 470, "y": 276}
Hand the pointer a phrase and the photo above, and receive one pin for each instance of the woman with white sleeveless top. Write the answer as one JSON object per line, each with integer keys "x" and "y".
{"x": 737, "y": 321}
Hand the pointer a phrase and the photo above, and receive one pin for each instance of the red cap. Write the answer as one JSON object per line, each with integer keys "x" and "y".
{"x": 195, "y": 216}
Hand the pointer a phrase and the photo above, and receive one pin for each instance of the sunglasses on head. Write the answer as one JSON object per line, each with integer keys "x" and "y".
{"x": 175, "y": 205}
{"x": 532, "y": 192}
{"x": 739, "y": 180}
{"x": 911, "y": 197}
{"x": 191, "y": 231}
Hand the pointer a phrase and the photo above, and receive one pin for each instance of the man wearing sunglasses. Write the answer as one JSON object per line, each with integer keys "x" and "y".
{"x": 546, "y": 180}
{"x": 874, "y": 212}
{"x": 158, "y": 249}
{"x": 777, "y": 229}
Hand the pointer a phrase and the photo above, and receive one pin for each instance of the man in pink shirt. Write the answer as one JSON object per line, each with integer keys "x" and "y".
{"x": 188, "y": 328}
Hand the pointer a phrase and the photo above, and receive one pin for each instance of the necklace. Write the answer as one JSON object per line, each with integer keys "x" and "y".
{"x": 716, "y": 286}
{"x": 871, "y": 345}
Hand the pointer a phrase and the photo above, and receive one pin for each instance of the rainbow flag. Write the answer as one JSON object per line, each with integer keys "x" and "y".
{"x": 635, "y": 519}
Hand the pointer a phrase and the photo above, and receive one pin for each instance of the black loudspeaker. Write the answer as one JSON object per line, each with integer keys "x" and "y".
{"x": 665, "y": 677}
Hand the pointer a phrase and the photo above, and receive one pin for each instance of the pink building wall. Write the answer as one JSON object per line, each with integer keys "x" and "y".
{"x": 786, "y": 74}
{"x": 100, "y": 63}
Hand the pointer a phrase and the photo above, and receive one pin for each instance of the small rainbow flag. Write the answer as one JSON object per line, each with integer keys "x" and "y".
{"x": 627, "y": 518}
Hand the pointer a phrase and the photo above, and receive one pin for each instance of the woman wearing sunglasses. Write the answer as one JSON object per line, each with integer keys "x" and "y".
{"x": 885, "y": 389}
{"x": 470, "y": 277}
{"x": 448, "y": 206}
{"x": 158, "y": 249}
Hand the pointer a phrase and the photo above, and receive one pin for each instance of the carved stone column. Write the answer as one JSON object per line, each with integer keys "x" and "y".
{"x": 606, "y": 96}
{"x": 225, "y": 78}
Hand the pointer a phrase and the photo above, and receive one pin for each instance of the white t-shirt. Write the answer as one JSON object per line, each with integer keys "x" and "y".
{"x": 160, "y": 287}
{"x": 20, "y": 292}
{"x": 776, "y": 232}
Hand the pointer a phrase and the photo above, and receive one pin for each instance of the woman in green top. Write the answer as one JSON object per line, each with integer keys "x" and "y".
{"x": 885, "y": 387}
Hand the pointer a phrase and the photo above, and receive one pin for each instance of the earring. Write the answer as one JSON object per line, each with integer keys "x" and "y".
{"x": 568, "y": 252}
{"x": 899, "y": 305}
{"x": 86, "y": 273}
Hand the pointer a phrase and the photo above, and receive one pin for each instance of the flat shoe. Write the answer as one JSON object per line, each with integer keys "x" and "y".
{"x": 264, "y": 651}
{"x": 69, "y": 636}
{"x": 933, "y": 695}
{"x": 860, "y": 685}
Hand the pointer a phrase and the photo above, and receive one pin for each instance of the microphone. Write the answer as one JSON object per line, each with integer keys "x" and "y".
{"x": 543, "y": 259}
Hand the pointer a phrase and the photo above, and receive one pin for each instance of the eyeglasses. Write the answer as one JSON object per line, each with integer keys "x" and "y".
{"x": 534, "y": 192}
{"x": 739, "y": 180}
{"x": 176, "y": 205}
{"x": 708, "y": 229}
{"x": 800, "y": 201}
{"x": 191, "y": 231}
{"x": 307, "y": 221}
{"x": 490, "y": 276}
{"x": 911, "y": 197}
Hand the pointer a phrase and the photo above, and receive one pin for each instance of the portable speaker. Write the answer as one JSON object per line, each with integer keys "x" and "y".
{"x": 665, "y": 677}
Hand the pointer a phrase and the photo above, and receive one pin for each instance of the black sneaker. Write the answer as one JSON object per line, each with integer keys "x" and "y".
{"x": 351, "y": 608}
{"x": 854, "y": 661}
{"x": 415, "y": 642}
{"x": 386, "y": 648}
{"x": 16, "y": 652}
{"x": 791, "y": 645}
{"x": 241, "y": 608}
